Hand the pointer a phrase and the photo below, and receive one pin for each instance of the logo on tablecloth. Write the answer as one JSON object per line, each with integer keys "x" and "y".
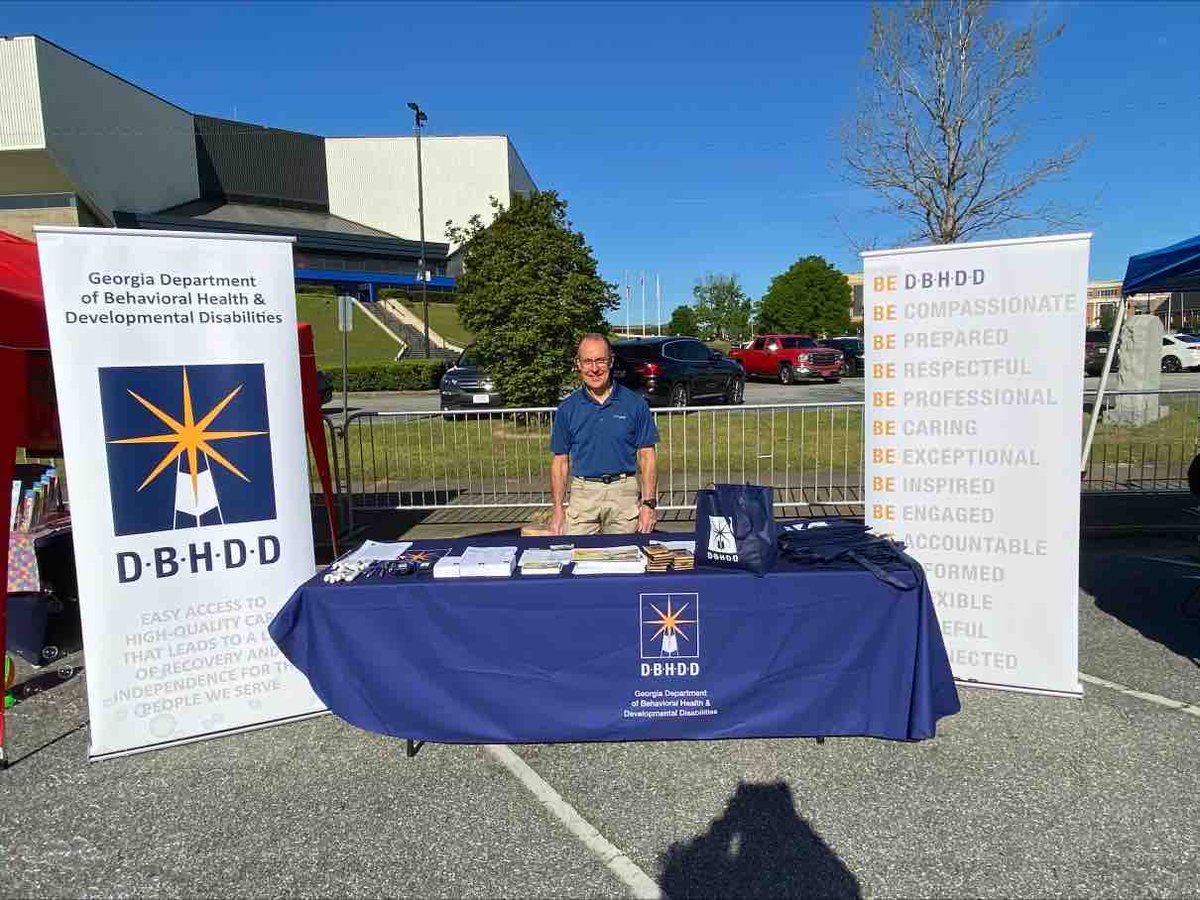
{"x": 187, "y": 446}
{"x": 720, "y": 535}
{"x": 670, "y": 626}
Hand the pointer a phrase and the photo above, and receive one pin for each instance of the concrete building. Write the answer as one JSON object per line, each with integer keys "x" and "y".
{"x": 1179, "y": 310}
{"x": 80, "y": 145}
{"x": 373, "y": 180}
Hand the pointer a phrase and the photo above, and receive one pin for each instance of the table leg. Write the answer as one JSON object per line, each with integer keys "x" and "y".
{"x": 411, "y": 747}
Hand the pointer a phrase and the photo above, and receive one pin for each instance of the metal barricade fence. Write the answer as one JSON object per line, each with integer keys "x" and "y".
{"x": 1145, "y": 441}
{"x": 810, "y": 453}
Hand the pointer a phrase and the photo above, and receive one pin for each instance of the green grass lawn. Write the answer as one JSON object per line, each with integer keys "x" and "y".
{"x": 368, "y": 343}
{"x": 443, "y": 318}
{"x": 1166, "y": 445}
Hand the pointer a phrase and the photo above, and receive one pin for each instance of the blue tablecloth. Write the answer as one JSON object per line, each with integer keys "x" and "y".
{"x": 584, "y": 658}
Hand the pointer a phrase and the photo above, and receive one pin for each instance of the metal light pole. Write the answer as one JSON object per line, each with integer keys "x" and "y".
{"x": 419, "y": 120}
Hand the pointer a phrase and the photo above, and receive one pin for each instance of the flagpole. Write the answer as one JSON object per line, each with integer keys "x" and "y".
{"x": 643, "y": 302}
{"x": 625, "y": 286}
{"x": 658, "y": 302}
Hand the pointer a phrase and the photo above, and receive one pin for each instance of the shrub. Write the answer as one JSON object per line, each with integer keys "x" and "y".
{"x": 409, "y": 375}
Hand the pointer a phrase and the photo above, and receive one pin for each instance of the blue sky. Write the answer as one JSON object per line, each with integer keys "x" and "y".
{"x": 688, "y": 138}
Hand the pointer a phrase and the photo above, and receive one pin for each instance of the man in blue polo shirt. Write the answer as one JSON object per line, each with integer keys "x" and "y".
{"x": 604, "y": 436}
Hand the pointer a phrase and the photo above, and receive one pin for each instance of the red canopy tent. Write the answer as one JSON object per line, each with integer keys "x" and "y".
{"x": 28, "y": 413}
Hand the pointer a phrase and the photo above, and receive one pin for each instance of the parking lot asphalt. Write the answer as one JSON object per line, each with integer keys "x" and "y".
{"x": 758, "y": 391}
{"x": 1018, "y": 795}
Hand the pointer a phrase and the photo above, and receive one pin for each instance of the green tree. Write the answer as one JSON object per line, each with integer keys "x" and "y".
{"x": 683, "y": 322}
{"x": 810, "y": 297}
{"x": 528, "y": 292}
{"x": 722, "y": 308}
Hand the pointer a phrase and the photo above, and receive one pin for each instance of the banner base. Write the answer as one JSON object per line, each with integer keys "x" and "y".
{"x": 1076, "y": 694}
{"x": 179, "y": 742}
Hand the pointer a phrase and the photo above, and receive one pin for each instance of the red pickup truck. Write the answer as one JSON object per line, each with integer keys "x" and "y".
{"x": 788, "y": 357}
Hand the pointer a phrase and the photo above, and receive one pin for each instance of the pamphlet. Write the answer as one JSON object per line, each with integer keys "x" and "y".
{"x": 623, "y": 560}
{"x": 447, "y": 567}
{"x": 488, "y": 562}
{"x": 686, "y": 546}
{"x": 539, "y": 561}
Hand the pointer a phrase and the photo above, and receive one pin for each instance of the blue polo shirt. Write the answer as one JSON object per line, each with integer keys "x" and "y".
{"x": 603, "y": 438}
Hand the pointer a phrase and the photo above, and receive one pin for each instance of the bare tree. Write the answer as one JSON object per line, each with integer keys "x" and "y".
{"x": 936, "y": 132}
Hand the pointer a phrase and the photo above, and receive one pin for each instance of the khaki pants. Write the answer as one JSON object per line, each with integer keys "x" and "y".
{"x": 598, "y": 508}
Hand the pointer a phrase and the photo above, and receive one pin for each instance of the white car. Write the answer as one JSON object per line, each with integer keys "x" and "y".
{"x": 1180, "y": 351}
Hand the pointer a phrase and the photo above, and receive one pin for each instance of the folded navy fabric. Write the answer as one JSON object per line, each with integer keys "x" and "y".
{"x": 835, "y": 542}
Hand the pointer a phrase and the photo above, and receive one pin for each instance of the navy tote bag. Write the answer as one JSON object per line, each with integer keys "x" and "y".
{"x": 735, "y": 527}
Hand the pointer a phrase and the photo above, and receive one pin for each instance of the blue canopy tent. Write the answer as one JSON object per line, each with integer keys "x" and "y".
{"x": 1174, "y": 268}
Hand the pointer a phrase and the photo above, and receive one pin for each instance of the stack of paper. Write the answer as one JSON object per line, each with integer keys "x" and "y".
{"x": 537, "y": 561}
{"x": 659, "y": 556}
{"x": 686, "y": 546}
{"x": 488, "y": 562}
{"x": 373, "y": 550}
{"x": 447, "y": 567}
{"x": 624, "y": 560}
{"x": 683, "y": 561}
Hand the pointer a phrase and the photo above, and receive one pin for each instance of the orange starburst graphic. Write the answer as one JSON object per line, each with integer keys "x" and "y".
{"x": 668, "y": 622}
{"x": 189, "y": 436}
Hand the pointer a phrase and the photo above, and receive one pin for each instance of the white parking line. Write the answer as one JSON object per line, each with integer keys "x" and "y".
{"x": 631, "y": 875}
{"x": 1178, "y": 705}
{"x": 639, "y": 883}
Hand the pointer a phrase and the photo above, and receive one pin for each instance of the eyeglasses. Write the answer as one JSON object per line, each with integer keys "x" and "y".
{"x": 601, "y": 363}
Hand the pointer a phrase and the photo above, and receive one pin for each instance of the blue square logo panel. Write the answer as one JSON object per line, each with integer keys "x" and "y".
{"x": 187, "y": 446}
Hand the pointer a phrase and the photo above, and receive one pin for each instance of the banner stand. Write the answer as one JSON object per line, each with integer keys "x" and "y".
{"x": 973, "y": 423}
{"x": 163, "y": 745}
{"x": 177, "y": 373}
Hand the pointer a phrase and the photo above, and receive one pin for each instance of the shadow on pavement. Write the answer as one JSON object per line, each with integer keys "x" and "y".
{"x": 1158, "y": 595}
{"x": 759, "y": 847}
{"x": 45, "y": 681}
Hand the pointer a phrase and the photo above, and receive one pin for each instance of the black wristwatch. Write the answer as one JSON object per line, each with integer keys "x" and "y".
{"x": 650, "y": 503}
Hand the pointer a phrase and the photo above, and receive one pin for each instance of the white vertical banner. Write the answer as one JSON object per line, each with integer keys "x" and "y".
{"x": 178, "y": 381}
{"x": 973, "y": 394}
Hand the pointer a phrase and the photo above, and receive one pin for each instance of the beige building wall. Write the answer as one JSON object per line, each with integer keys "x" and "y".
{"x": 374, "y": 181}
{"x": 31, "y": 172}
{"x": 21, "y": 221}
{"x": 1099, "y": 295}
{"x": 20, "y": 99}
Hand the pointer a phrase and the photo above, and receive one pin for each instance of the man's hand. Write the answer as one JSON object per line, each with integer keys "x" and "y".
{"x": 646, "y": 519}
{"x": 558, "y": 521}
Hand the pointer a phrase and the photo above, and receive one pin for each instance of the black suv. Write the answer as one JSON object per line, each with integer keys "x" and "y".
{"x": 852, "y": 354}
{"x": 1095, "y": 348}
{"x": 676, "y": 371}
{"x": 465, "y": 386}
